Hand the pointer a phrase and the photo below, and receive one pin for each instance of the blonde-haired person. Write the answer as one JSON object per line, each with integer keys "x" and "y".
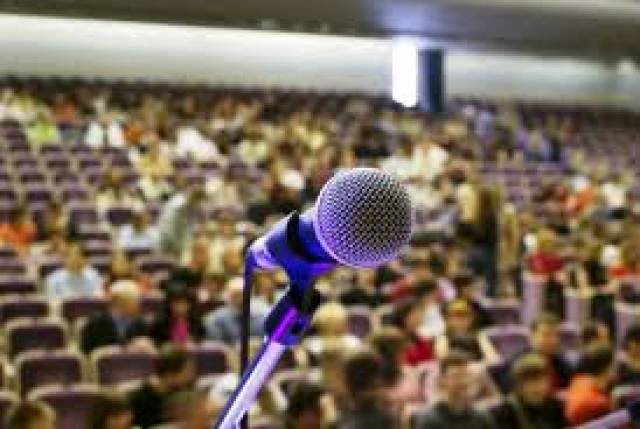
{"x": 331, "y": 326}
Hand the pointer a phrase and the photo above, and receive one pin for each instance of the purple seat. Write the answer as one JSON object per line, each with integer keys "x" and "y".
{"x": 92, "y": 232}
{"x": 48, "y": 266}
{"x": 115, "y": 365}
{"x": 359, "y": 321}
{"x": 90, "y": 162}
{"x": 12, "y": 267}
{"x": 7, "y": 401}
{"x": 502, "y": 311}
{"x": 42, "y": 368}
{"x": 626, "y": 315}
{"x": 74, "y": 192}
{"x": 155, "y": 264}
{"x": 16, "y": 285}
{"x": 58, "y": 164}
{"x": 96, "y": 248}
{"x": 30, "y": 177}
{"x": 570, "y": 338}
{"x": 8, "y": 253}
{"x": 37, "y": 194}
{"x": 625, "y": 395}
{"x": 8, "y": 193}
{"x": 73, "y": 309}
{"x": 138, "y": 252}
{"x": 25, "y": 162}
{"x": 28, "y": 306}
{"x": 35, "y": 334}
{"x": 211, "y": 358}
{"x": 509, "y": 341}
{"x": 577, "y": 306}
{"x": 73, "y": 404}
{"x": 119, "y": 216}
{"x": 66, "y": 177}
{"x": 84, "y": 214}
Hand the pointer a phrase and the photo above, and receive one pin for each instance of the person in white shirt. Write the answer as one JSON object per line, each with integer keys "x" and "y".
{"x": 139, "y": 234}
{"x": 614, "y": 194}
{"x": 75, "y": 279}
{"x": 178, "y": 219}
{"x": 192, "y": 144}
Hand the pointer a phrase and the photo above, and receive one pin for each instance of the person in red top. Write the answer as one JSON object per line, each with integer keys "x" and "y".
{"x": 20, "y": 232}
{"x": 587, "y": 397}
{"x": 408, "y": 317}
{"x": 405, "y": 287}
{"x": 545, "y": 259}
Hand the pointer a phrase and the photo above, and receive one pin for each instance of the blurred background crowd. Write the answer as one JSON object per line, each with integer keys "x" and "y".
{"x": 125, "y": 210}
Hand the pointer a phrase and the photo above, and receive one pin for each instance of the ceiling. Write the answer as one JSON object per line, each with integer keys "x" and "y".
{"x": 594, "y": 28}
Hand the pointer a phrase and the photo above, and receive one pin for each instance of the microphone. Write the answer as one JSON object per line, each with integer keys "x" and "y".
{"x": 361, "y": 218}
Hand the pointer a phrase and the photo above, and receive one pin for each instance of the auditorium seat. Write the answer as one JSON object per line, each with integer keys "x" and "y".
{"x": 155, "y": 263}
{"x": 29, "y": 306}
{"x": 508, "y": 341}
{"x": 114, "y": 365}
{"x": 73, "y": 309}
{"x": 43, "y": 368}
{"x": 19, "y": 285}
{"x": 7, "y": 401}
{"x": 210, "y": 358}
{"x": 626, "y": 315}
{"x": 73, "y": 404}
{"x": 502, "y": 311}
{"x": 35, "y": 334}
{"x": 577, "y": 306}
{"x": 360, "y": 321}
{"x": 118, "y": 216}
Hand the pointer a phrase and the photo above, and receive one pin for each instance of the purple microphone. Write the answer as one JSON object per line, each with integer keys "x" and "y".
{"x": 362, "y": 218}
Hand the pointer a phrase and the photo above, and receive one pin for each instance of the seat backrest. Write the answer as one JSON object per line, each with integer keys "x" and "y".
{"x": 509, "y": 341}
{"x": 73, "y": 404}
{"x": 77, "y": 308}
{"x": 360, "y": 321}
{"x": 35, "y": 334}
{"x": 210, "y": 358}
{"x": 41, "y": 368}
{"x": 115, "y": 365}
{"x": 19, "y": 307}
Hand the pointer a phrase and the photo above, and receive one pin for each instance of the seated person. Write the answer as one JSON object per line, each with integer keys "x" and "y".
{"x": 194, "y": 271}
{"x": 366, "y": 406}
{"x": 75, "y": 279}
{"x": 331, "y": 328}
{"x": 546, "y": 260}
{"x": 460, "y": 333}
{"x": 114, "y": 193}
{"x": 407, "y": 317}
{"x": 139, "y": 234}
{"x": 588, "y": 397}
{"x": 121, "y": 324}
{"x": 545, "y": 340}
{"x": 306, "y": 407}
{"x": 193, "y": 409}
{"x": 111, "y": 411}
{"x": 363, "y": 291}
{"x": 629, "y": 367}
{"x": 20, "y": 232}
{"x": 178, "y": 322}
{"x": 428, "y": 293}
{"x": 595, "y": 332}
{"x": 531, "y": 404}
{"x": 175, "y": 371}
{"x": 123, "y": 268}
{"x": 465, "y": 285}
{"x": 401, "y": 383}
{"x": 223, "y": 323}
{"x": 455, "y": 409}
{"x": 30, "y": 415}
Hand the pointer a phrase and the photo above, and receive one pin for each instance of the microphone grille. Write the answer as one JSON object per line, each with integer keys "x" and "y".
{"x": 363, "y": 217}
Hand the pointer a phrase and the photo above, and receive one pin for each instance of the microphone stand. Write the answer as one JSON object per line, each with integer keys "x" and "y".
{"x": 286, "y": 323}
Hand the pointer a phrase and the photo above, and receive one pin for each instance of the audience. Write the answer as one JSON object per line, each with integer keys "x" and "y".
{"x": 305, "y": 408}
{"x": 175, "y": 372}
{"x": 121, "y": 324}
{"x": 178, "y": 323}
{"x": 223, "y": 324}
{"x": 30, "y": 415}
{"x": 531, "y": 404}
{"x": 364, "y": 382}
{"x": 331, "y": 326}
{"x": 629, "y": 367}
{"x": 507, "y": 197}
{"x": 408, "y": 319}
{"x": 112, "y": 411}
{"x": 588, "y": 397}
{"x": 455, "y": 410}
{"x": 75, "y": 279}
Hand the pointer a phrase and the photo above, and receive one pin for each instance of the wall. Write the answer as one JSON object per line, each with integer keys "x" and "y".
{"x": 45, "y": 46}
{"x": 537, "y": 78}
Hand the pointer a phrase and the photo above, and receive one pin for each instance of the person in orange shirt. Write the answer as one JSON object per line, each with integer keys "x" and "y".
{"x": 588, "y": 394}
{"x": 20, "y": 232}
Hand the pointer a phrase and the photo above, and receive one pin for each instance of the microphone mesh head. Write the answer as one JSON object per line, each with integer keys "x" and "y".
{"x": 363, "y": 217}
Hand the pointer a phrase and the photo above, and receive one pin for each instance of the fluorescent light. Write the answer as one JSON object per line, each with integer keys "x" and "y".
{"x": 404, "y": 72}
